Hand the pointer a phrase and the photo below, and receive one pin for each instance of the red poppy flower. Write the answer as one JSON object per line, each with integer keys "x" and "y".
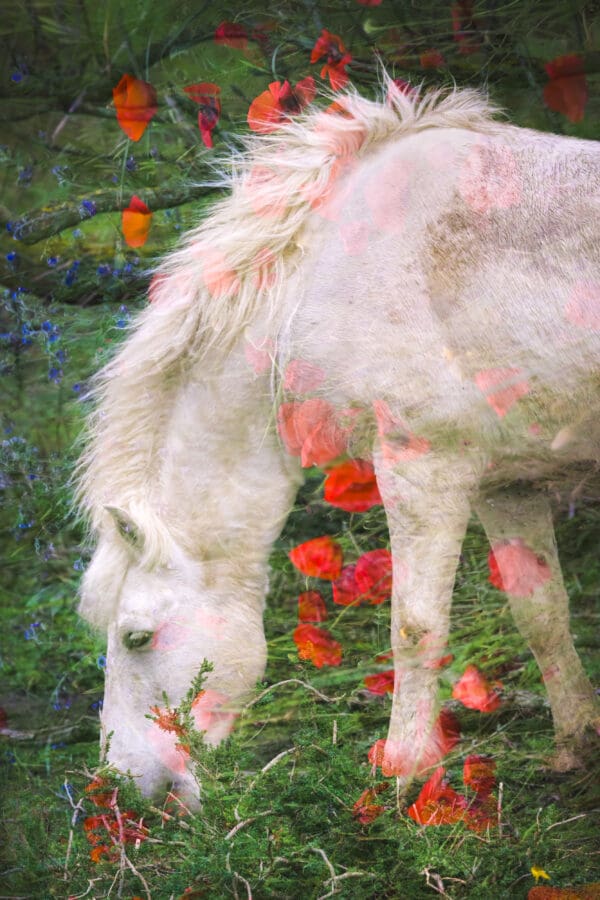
{"x": 438, "y": 803}
{"x": 332, "y": 47}
{"x": 482, "y": 813}
{"x": 381, "y": 683}
{"x": 206, "y": 94}
{"x": 373, "y": 576}
{"x": 320, "y": 558}
{"x": 311, "y": 607}
{"x": 479, "y": 773}
{"x": 566, "y": 92}
{"x": 310, "y": 429}
{"x": 317, "y": 645}
{"x": 516, "y": 569}
{"x": 136, "y": 104}
{"x": 135, "y": 222}
{"x": 231, "y": 34}
{"x": 352, "y": 486}
{"x": 271, "y": 109}
{"x": 346, "y": 592}
{"x": 475, "y": 692}
{"x": 365, "y": 809}
{"x": 431, "y": 59}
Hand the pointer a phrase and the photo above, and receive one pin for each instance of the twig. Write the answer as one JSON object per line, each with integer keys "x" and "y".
{"x": 291, "y": 681}
{"x": 240, "y": 825}
{"x": 564, "y": 821}
{"x": 76, "y": 809}
{"x": 168, "y": 816}
{"x": 245, "y": 883}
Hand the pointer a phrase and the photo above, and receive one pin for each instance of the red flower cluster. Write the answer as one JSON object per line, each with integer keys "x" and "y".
{"x": 440, "y": 804}
{"x": 317, "y": 645}
{"x": 108, "y": 831}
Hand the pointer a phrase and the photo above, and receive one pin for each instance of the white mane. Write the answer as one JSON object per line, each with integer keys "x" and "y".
{"x": 185, "y": 319}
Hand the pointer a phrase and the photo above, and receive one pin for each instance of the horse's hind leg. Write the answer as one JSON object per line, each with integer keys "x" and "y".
{"x": 427, "y": 503}
{"x": 540, "y": 607}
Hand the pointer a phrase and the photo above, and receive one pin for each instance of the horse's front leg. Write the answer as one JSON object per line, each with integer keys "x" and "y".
{"x": 519, "y": 527}
{"x": 427, "y": 502}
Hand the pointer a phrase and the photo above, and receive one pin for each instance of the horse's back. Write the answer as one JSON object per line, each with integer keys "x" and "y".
{"x": 457, "y": 276}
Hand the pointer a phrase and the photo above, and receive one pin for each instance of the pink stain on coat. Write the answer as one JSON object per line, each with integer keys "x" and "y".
{"x": 583, "y": 306}
{"x": 516, "y": 569}
{"x": 490, "y": 178}
{"x": 502, "y": 388}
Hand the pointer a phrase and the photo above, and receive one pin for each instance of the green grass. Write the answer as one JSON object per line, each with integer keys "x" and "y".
{"x": 295, "y": 828}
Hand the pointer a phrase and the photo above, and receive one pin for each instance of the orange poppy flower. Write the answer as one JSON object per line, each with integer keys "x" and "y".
{"x": 135, "y": 222}
{"x": 438, "y": 803}
{"x": 317, "y": 645}
{"x": 136, "y": 104}
{"x": 475, "y": 692}
{"x": 271, "y": 109}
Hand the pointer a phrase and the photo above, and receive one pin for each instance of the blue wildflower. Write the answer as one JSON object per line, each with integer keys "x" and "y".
{"x": 87, "y": 209}
{"x": 78, "y": 565}
{"x": 11, "y": 257}
{"x": 52, "y": 261}
{"x": 101, "y": 661}
{"x": 131, "y": 164}
{"x": 77, "y": 233}
{"x": 60, "y": 355}
{"x": 103, "y": 269}
{"x": 47, "y": 325}
{"x": 78, "y": 388}
{"x": 55, "y": 375}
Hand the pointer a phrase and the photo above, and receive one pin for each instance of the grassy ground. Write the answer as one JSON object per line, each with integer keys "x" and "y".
{"x": 276, "y": 819}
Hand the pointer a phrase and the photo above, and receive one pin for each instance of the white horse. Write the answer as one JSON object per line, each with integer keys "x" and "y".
{"x": 432, "y": 277}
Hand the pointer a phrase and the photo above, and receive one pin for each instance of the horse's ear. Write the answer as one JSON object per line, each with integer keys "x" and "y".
{"x": 127, "y": 528}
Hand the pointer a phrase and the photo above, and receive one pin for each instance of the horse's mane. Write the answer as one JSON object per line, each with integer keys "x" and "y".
{"x": 205, "y": 293}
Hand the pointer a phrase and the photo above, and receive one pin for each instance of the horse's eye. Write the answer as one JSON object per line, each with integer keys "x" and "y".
{"x": 135, "y": 639}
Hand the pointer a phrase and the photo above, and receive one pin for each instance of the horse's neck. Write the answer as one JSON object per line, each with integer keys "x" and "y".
{"x": 225, "y": 486}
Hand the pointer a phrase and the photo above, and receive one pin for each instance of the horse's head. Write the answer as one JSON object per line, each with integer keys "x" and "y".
{"x": 162, "y": 620}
